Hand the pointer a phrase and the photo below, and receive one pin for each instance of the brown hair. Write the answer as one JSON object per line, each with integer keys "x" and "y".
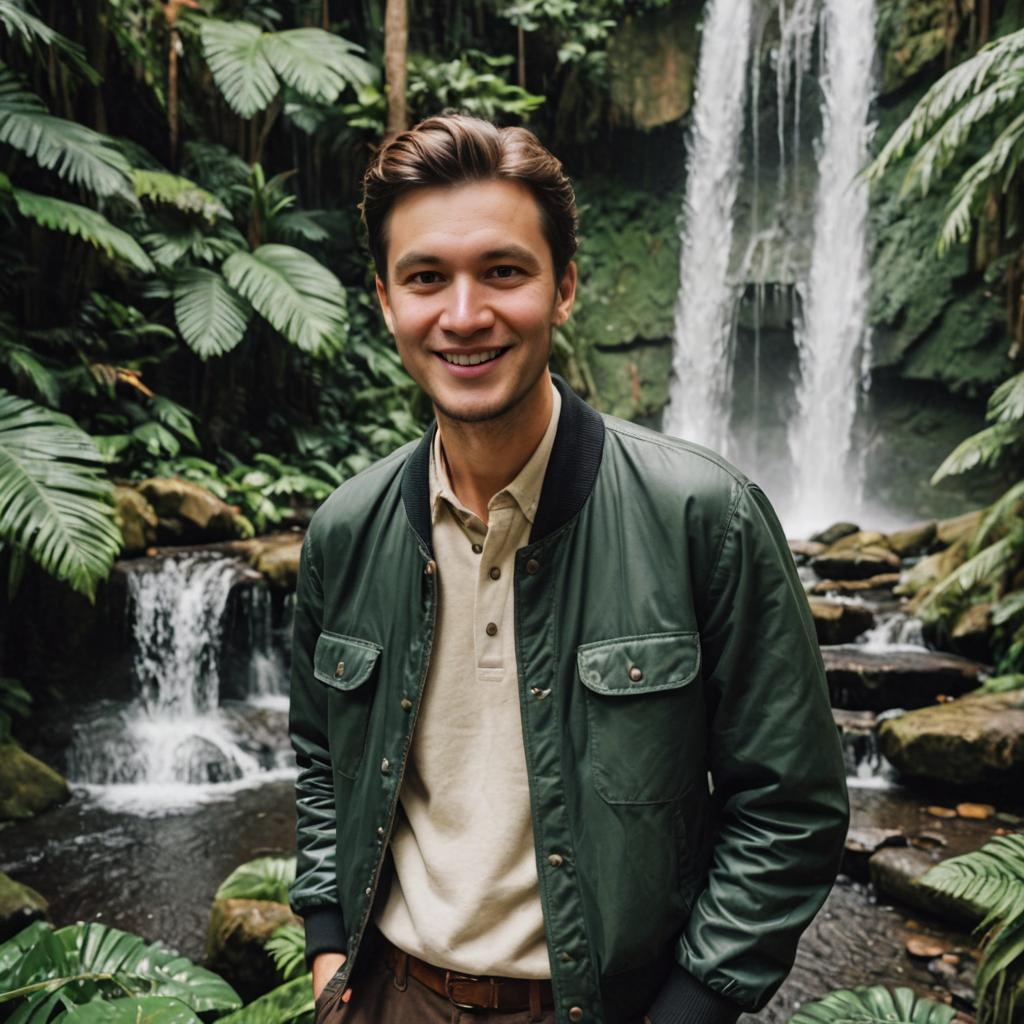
{"x": 451, "y": 149}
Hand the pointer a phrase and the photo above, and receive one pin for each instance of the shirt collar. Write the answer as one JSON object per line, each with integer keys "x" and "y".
{"x": 524, "y": 489}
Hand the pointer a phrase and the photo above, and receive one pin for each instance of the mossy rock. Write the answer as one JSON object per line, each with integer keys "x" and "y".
{"x": 188, "y": 513}
{"x": 137, "y": 519}
{"x": 279, "y": 561}
{"x": 19, "y": 907}
{"x": 914, "y": 540}
{"x": 27, "y": 785}
{"x": 633, "y": 382}
{"x": 911, "y": 38}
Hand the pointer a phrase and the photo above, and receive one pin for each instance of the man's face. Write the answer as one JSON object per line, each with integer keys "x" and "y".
{"x": 471, "y": 295}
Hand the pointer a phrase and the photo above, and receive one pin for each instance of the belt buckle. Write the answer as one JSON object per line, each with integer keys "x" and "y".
{"x": 453, "y": 977}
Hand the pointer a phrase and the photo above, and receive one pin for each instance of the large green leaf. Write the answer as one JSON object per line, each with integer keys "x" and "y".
{"x": 82, "y": 222}
{"x": 992, "y": 878}
{"x": 316, "y": 63}
{"x": 875, "y": 1005}
{"x": 285, "y": 1003}
{"x": 138, "y": 1010}
{"x": 20, "y": 22}
{"x": 211, "y": 317}
{"x": 54, "y": 500}
{"x": 179, "y": 192}
{"x": 234, "y": 51}
{"x": 265, "y": 878}
{"x": 78, "y": 154}
{"x": 299, "y": 296}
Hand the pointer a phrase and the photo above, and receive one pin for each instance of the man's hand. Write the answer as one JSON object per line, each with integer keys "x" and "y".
{"x": 325, "y": 966}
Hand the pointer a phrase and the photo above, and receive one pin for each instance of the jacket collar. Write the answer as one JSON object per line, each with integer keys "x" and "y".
{"x": 572, "y": 470}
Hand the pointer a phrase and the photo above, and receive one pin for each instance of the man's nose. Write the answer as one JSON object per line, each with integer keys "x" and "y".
{"x": 466, "y": 309}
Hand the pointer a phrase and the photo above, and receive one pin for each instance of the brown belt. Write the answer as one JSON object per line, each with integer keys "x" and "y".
{"x": 472, "y": 992}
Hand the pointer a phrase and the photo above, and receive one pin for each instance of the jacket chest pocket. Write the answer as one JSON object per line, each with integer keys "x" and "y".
{"x": 645, "y": 718}
{"x": 346, "y": 665}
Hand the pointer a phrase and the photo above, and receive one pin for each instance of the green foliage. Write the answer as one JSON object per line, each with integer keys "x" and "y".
{"x": 87, "y": 970}
{"x": 875, "y": 1005}
{"x": 211, "y": 317}
{"x": 265, "y": 878}
{"x": 993, "y": 879}
{"x": 21, "y": 24}
{"x": 15, "y": 700}
{"x": 287, "y": 945}
{"x": 292, "y": 1001}
{"x": 54, "y": 501}
{"x": 1003, "y": 683}
{"x": 179, "y": 192}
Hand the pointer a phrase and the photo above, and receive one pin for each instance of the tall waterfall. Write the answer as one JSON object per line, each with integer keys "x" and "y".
{"x": 702, "y": 360}
{"x": 832, "y": 337}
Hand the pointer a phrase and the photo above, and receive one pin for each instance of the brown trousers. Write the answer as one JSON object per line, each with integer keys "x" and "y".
{"x": 377, "y": 999}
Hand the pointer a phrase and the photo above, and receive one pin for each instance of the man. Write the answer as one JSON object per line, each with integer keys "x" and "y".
{"x": 565, "y": 745}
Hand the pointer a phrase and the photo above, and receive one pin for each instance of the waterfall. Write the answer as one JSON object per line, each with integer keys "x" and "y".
{"x": 698, "y": 406}
{"x": 832, "y": 335}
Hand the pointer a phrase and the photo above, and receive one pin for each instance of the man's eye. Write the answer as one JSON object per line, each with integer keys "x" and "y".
{"x": 505, "y": 271}
{"x": 425, "y": 277}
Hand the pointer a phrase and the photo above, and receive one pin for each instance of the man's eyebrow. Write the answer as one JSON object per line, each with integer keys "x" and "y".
{"x": 411, "y": 259}
{"x": 512, "y": 252}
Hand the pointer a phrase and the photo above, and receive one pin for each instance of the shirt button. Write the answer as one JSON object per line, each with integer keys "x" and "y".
{"x": 385, "y": 766}
{"x": 575, "y": 1013}
{"x": 368, "y": 890}
{"x": 635, "y": 674}
{"x": 406, "y": 704}
{"x": 491, "y": 628}
{"x": 495, "y": 573}
{"x": 555, "y": 860}
{"x": 340, "y": 670}
{"x": 381, "y": 832}
{"x": 430, "y": 568}
{"x": 477, "y": 548}
{"x": 532, "y": 566}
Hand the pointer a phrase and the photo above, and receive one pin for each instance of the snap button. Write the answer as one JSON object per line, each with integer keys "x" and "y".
{"x": 575, "y": 1013}
{"x": 381, "y": 832}
{"x": 495, "y": 573}
{"x": 477, "y": 548}
{"x": 385, "y": 766}
{"x": 406, "y": 704}
{"x": 491, "y": 628}
{"x": 555, "y": 860}
{"x": 430, "y": 568}
{"x": 635, "y": 674}
{"x": 340, "y": 670}
{"x": 368, "y": 890}
{"x": 532, "y": 566}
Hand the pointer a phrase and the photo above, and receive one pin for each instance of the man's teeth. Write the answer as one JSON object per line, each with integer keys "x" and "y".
{"x": 472, "y": 360}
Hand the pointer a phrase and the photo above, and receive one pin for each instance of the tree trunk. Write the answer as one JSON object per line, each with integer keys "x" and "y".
{"x": 521, "y": 47}
{"x": 396, "y": 45}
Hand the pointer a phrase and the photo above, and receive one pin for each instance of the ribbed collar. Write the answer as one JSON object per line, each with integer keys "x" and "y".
{"x": 571, "y": 472}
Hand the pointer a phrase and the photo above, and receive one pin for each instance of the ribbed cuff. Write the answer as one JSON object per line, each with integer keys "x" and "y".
{"x": 684, "y": 1000}
{"x": 325, "y": 931}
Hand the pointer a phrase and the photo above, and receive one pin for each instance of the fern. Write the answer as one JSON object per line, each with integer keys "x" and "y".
{"x": 179, "y": 192}
{"x": 875, "y": 1005}
{"x": 985, "y": 448}
{"x": 287, "y": 945}
{"x": 1003, "y": 509}
{"x": 985, "y": 567}
{"x": 20, "y": 23}
{"x": 1007, "y": 402}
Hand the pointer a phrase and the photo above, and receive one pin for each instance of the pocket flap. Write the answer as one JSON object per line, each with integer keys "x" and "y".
{"x": 639, "y": 664}
{"x": 344, "y": 662}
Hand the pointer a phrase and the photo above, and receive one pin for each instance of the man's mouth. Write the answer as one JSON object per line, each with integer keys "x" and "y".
{"x": 471, "y": 359}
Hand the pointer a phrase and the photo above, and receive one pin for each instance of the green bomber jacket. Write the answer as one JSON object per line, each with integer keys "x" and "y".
{"x": 682, "y": 758}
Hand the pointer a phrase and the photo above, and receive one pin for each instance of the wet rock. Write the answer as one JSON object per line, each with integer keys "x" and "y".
{"x": 838, "y": 622}
{"x": 235, "y": 941}
{"x": 199, "y": 760}
{"x": 925, "y": 947}
{"x": 137, "y": 519}
{"x": 803, "y": 549}
{"x": 897, "y": 872}
{"x": 19, "y": 907}
{"x": 919, "y": 579}
{"x": 915, "y": 540}
{"x": 884, "y": 581}
{"x": 27, "y": 785}
{"x": 868, "y": 680}
{"x": 977, "y": 740}
{"x": 835, "y": 532}
{"x": 279, "y": 561}
{"x": 862, "y": 843}
{"x": 979, "y": 812}
{"x": 971, "y": 634}
{"x": 856, "y": 556}
{"x": 190, "y": 512}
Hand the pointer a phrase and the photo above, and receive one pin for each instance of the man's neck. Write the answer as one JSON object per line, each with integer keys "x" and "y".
{"x": 483, "y": 458}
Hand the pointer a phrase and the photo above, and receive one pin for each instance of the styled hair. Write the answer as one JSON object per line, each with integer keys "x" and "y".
{"x": 452, "y": 149}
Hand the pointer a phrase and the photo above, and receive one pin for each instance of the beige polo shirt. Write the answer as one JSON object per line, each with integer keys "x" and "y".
{"x": 465, "y": 895}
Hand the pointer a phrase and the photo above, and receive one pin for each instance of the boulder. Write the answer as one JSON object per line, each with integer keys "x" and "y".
{"x": 834, "y": 533}
{"x": 915, "y": 540}
{"x": 884, "y": 581}
{"x": 235, "y": 942}
{"x": 857, "y": 556}
{"x": 919, "y": 579}
{"x": 867, "y": 680}
{"x": 976, "y": 741}
{"x": 897, "y": 872}
{"x": 803, "y": 549}
{"x": 137, "y": 519}
{"x": 27, "y": 785}
{"x": 862, "y": 842}
{"x": 277, "y": 558}
{"x": 971, "y": 633}
{"x": 19, "y": 907}
{"x": 839, "y": 622}
{"x": 190, "y": 513}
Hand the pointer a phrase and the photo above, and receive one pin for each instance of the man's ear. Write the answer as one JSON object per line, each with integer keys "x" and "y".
{"x": 566, "y": 295}
{"x": 385, "y": 305}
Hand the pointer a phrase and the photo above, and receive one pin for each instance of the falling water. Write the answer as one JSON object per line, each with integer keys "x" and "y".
{"x": 702, "y": 359}
{"x": 832, "y": 336}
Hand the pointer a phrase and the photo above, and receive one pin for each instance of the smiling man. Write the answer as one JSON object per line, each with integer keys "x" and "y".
{"x": 564, "y": 740}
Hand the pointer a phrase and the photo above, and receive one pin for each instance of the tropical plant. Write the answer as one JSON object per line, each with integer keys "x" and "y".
{"x": 287, "y": 945}
{"x": 55, "y": 503}
{"x": 14, "y": 700}
{"x": 992, "y": 878}
{"x": 265, "y": 878}
{"x": 96, "y": 973}
{"x": 875, "y": 1005}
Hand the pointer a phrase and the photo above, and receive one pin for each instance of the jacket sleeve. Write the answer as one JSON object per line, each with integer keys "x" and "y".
{"x": 313, "y": 894}
{"x": 779, "y": 785}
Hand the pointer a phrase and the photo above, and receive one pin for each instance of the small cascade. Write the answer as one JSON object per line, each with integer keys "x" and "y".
{"x": 895, "y": 631}
{"x": 705, "y": 312}
{"x": 832, "y": 337}
{"x": 176, "y": 736}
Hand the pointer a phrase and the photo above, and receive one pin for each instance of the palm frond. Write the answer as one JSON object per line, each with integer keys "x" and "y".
{"x": 54, "y": 500}
{"x": 239, "y": 65}
{"x": 981, "y": 449}
{"x": 79, "y": 155}
{"x": 81, "y": 222}
{"x": 211, "y": 317}
{"x": 287, "y": 946}
{"x": 315, "y": 63}
{"x": 999, "y": 512}
{"x": 26, "y": 367}
{"x": 991, "y": 878}
{"x": 1008, "y": 608}
{"x": 298, "y": 224}
{"x": 21, "y": 23}
{"x": 286, "y": 1004}
{"x": 265, "y": 878}
{"x": 179, "y": 192}
{"x": 985, "y": 566}
{"x": 1000, "y": 979}
{"x": 299, "y": 296}
{"x": 1002, "y": 158}
{"x": 1007, "y": 402}
{"x": 875, "y": 1005}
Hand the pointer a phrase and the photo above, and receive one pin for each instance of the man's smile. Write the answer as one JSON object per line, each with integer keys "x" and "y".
{"x": 471, "y": 364}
